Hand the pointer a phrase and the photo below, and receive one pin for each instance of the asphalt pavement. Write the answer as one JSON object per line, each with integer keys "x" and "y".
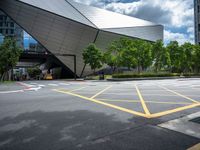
{"x": 96, "y": 115}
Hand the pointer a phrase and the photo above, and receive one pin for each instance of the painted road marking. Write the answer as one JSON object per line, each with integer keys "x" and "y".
{"x": 52, "y": 84}
{"x": 101, "y": 92}
{"x": 64, "y": 84}
{"x": 106, "y": 104}
{"x": 138, "y": 101}
{"x": 195, "y": 147}
{"x": 127, "y": 101}
{"x": 134, "y": 94}
{"x": 8, "y": 92}
{"x": 155, "y": 115}
{"x": 25, "y": 85}
{"x": 179, "y": 94}
{"x": 174, "y": 110}
{"x": 146, "y": 113}
{"x": 33, "y": 89}
{"x": 78, "y": 89}
{"x": 142, "y": 101}
{"x": 41, "y": 85}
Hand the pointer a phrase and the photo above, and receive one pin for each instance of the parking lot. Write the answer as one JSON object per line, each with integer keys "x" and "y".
{"x": 64, "y": 114}
{"x": 149, "y": 100}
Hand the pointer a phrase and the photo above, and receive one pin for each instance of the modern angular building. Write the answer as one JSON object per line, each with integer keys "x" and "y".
{"x": 9, "y": 28}
{"x": 65, "y": 27}
{"x": 197, "y": 20}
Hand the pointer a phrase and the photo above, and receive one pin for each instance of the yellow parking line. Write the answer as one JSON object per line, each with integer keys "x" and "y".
{"x": 138, "y": 101}
{"x": 173, "y": 111}
{"x": 178, "y": 103}
{"x": 179, "y": 94}
{"x": 78, "y": 89}
{"x": 142, "y": 101}
{"x": 106, "y": 104}
{"x": 128, "y": 101}
{"x": 195, "y": 147}
{"x": 73, "y": 89}
{"x": 101, "y": 91}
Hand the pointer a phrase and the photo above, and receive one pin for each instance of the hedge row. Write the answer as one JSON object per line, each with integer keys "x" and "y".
{"x": 142, "y": 75}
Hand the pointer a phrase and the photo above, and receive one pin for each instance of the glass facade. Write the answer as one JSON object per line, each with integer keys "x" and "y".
{"x": 10, "y": 29}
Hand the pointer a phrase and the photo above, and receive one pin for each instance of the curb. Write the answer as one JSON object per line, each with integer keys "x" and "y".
{"x": 150, "y": 78}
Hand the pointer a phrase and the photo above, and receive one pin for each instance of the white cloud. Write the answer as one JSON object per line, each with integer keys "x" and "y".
{"x": 173, "y": 14}
{"x": 180, "y": 37}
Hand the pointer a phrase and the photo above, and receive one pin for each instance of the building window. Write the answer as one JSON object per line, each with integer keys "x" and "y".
{"x": 1, "y": 31}
{"x": 198, "y": 27}
{"x": 6, "y": 31}
{"x": 11, "y": 31}
{"x": 11, "y": 24}
{"x": 1, "y": 24}
{"x": 1, "y": 17}
{"x": 198, "y": 9}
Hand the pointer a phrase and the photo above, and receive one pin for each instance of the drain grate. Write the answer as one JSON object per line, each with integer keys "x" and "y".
{"x": 196, "y": 120}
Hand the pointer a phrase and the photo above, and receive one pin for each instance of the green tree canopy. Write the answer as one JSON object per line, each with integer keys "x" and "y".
{"x": 161, "y": 57}
{"x": 176, "y": 54}
{"x": 143, "y": 54}
{"x": 187, "y": 52}
{"x": 92, "y": 56}
{"x": 9, "y": 56}
{"x": 130, "y": 53}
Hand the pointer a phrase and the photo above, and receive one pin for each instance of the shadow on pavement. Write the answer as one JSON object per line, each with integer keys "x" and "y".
{"x": 55, "y": 130}
{"x": 85, "y": 130}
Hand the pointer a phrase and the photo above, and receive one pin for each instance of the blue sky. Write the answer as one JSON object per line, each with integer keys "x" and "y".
{"x": 177, "y": 16}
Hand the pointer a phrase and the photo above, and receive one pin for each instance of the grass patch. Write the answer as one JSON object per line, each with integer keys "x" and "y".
{"x": 7, "y": 82}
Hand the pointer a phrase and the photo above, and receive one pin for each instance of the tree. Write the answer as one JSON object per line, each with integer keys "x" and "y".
{"x": 33, "y": 72}
{"x": 110, "y": 60}
{"x": 143, "y": 54}
{"x": 93, "y": 57}
{"x": 161, "y": 57}
{"x": 176, "y": 54}
{"x": 120, "y": 53}
{"x": 187, "y": 52}
{"x": 128, "y": 57}
{"x": 128, "y": 52}
{"x": 9, "y": 56}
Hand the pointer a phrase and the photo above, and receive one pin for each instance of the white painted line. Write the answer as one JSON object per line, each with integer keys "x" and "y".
{"x": 33, "y": 83}
{"x": 8, "y": 92}
{"x": 53, "y": 84}
{"x": 33, "y": 89}
{"x": 64, "y": 84}
{"x": 41, "y": 85}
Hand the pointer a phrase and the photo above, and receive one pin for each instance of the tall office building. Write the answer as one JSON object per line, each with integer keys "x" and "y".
{"x": 197, "y": 20}
{"x": 8, "y": 28}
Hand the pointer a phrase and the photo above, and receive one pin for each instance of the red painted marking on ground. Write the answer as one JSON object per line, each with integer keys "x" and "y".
{"x": 24, "y": 85}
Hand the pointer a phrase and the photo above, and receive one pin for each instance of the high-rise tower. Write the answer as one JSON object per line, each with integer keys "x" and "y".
{"x": 197, "y": 20}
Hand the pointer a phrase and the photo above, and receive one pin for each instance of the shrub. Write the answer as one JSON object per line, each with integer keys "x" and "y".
{"x": 142, "y": 75}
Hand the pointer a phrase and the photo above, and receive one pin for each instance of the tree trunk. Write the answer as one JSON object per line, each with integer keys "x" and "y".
{"x": 138, "y": 68}
{"x": 5, "y": 76}
{"x": 10, "y": 74}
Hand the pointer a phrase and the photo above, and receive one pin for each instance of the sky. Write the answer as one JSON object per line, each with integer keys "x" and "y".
{"x": 177, "y": 16}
